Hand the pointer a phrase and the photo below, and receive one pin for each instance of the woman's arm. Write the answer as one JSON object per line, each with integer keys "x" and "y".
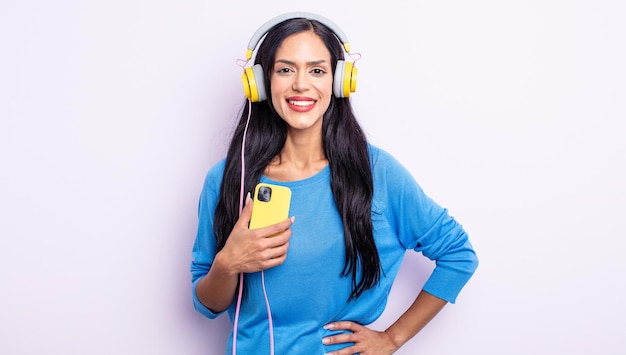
{"x": 422, "y": 311}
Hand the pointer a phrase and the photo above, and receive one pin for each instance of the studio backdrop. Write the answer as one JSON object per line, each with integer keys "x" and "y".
{"x": 509, "y": 114}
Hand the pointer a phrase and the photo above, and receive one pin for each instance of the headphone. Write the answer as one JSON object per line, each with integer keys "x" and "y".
{"x": 344, "y": 80}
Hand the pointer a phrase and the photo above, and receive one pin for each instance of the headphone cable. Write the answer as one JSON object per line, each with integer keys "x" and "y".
{"x": 240, "y": 293}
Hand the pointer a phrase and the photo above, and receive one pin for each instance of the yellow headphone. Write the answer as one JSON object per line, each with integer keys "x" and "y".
{"x": 344, "y": 81}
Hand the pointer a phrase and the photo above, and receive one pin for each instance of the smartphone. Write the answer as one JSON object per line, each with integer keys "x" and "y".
{"x": 271, "y": 205}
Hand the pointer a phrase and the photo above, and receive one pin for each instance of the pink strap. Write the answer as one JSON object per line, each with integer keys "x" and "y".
{"x": 241, "y": 188}
{"x": 239, "y": 296}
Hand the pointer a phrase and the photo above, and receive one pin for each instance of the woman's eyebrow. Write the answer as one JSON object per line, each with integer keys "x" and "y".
{"x": 310, "y": 63}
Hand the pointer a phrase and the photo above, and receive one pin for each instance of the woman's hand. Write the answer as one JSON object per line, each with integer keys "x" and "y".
{"x": 245, "y": 251}
{"x": 366, "y": 341}
{"x": 251, "y": 250}
{"x": 369, "y": 342}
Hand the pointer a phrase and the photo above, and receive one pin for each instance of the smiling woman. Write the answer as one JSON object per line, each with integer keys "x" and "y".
{"x": 357, "y": 211}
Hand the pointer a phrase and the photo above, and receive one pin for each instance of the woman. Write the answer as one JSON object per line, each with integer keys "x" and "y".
{"x": 326, "y": 274}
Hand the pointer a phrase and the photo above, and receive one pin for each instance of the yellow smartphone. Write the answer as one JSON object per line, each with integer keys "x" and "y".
{"x": 271, "y": 205}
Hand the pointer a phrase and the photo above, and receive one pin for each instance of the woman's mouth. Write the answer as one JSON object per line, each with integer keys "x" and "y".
{"x": 301, "y": 105}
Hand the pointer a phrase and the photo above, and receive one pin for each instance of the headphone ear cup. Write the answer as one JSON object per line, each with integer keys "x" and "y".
{"x": 253, "y": 83}
{"x": 350, "y": 78}
{"x": 338, "y": 79}
{"x": 344, "y": 81}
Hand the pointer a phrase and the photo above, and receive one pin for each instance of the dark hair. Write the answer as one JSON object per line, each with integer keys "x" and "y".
{"x": 345, "y": 146}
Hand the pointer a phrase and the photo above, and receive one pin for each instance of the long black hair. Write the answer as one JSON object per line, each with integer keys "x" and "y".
{"x": 345, "y": 146}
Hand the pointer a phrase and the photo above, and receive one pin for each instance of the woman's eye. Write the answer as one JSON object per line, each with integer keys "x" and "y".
{"x": 318, "y": 71}
{"x": 283, "y": 70}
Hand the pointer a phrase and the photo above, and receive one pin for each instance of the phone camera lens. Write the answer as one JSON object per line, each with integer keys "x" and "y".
{"x": 265, "y": 194}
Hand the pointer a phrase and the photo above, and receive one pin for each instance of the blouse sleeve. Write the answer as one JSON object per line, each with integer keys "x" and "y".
{"x": 205, "y": 246}
{"x": 424, "y": 226}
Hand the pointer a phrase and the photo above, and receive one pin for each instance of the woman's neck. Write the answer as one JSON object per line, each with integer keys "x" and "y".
{"x": 300, "y": 158}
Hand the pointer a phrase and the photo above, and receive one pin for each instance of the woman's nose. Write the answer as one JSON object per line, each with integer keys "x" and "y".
{"x": 300, "y": 82}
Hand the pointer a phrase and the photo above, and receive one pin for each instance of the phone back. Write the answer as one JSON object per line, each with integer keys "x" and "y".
{"x": 271, "y": 205}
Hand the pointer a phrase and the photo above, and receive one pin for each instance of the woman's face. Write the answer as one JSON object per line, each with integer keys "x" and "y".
{"x": 302, "y": 81}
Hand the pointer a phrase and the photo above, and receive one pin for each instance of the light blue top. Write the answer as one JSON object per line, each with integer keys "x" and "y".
{"x": 308, "y": 291}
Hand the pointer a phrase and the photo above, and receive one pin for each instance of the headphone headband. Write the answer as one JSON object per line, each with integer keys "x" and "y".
{"x": 256, "y": 37}
{"x": 344, "y": 77}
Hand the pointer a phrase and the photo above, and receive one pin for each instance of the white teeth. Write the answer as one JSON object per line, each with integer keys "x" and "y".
{"x": 301, "y": 103}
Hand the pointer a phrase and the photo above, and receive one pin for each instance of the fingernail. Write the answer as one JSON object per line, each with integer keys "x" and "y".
{"x": 293, "y": 219}
{"x": 248, "y": 198}
{"x": 328, "y": 326}
{"x": 325, "y": 341}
